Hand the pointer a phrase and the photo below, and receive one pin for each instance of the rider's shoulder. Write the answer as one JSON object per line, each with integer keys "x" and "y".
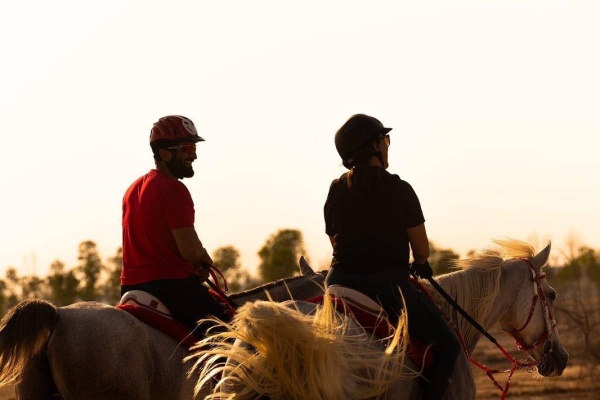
{"x": 400, "y": 183}
{"x": 342, "y": 180}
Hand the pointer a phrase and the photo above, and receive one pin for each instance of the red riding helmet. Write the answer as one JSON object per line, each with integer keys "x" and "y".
{"x": 175, "y": 127}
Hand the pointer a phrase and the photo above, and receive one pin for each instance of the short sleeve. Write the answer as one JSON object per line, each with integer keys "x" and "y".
{"x": 179, "y": 207}
{"x": 413, "y": 212}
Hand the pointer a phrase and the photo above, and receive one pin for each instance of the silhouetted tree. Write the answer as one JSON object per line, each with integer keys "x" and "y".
{"x": 89, "y": 268}
{"x": 226, "y": 259}
{"x": 280, "y": 254}
{"x": 590, "y": 261}
{"x": 13, "y": 289}
{"x": 442, "y": 260}
{"x": 578, "y": 263}
{"x": 3, "y": 299}
{"x": 112, "y": 287}
{"x": 33, "y": 287}
{"x": 63, "y": 284}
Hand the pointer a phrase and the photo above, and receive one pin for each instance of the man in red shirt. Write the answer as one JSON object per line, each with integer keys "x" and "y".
{"x": 162, "y": 254}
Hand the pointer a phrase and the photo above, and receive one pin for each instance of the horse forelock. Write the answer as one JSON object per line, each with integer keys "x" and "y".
{"x": 512, "y": 248}
{"x": 492, "y": 258}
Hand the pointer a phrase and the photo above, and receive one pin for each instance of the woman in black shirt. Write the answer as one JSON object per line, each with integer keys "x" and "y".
{"x": 374, "y": 219}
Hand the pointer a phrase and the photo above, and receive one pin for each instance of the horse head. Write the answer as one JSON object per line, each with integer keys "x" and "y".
{"x": 529, "y": 320}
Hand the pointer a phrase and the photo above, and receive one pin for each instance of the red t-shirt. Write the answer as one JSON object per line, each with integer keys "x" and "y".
{"x": 154, "y": 205}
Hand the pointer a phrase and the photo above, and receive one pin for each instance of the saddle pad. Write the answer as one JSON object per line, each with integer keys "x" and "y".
{"x": 151, "y": 311}
{"x": 377, "y": 324}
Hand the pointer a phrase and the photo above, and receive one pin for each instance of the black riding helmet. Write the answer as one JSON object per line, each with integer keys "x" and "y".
{"x": 359, "y": 130}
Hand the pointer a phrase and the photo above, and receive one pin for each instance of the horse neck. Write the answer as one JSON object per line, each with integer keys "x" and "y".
{"x": 476, "y": 291}
{"x": 294, "y": 288}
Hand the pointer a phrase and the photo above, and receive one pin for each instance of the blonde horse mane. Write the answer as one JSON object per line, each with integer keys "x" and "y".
{"x": 479, "y": 281}
{"x": 292, "y": 355}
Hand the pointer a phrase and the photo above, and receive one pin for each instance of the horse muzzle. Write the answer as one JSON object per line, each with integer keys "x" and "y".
{"x": 553, "y": 360}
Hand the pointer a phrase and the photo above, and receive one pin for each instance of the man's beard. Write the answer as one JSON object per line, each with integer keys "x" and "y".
{"x": 180, "y": 170}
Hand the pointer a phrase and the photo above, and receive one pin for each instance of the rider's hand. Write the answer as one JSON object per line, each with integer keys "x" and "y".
{"x": 202, "y": 271}
{"x": 203, "y": 266}
{"x": 423, "y": 271}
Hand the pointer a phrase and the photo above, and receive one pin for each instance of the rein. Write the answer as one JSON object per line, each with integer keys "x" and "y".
{"x": 213, "y": 271}
{"x": 516, "y": 364}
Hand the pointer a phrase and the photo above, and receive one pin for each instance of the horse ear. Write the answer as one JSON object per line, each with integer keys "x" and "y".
{"x": 541, "y": 258}
{"x": 305, "y": 269}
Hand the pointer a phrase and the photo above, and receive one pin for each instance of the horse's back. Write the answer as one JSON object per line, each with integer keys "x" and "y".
{"x": 126, "y": 358}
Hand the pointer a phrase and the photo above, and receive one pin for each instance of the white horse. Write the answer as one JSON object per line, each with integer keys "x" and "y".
{"x": 94, "y": 351}
{"x": 287, "y": 353}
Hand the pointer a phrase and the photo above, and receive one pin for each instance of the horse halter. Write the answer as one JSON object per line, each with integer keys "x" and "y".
{"x": 538, "y": 295}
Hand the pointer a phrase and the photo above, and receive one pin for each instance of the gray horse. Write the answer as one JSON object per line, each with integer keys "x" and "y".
{"x": 305, "y": 353}
{"x": 95, "y": 351}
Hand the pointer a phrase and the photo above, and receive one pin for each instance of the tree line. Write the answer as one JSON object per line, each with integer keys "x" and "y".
{"x": 95, "y": 279}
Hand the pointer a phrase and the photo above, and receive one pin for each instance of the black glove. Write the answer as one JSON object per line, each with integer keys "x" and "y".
{"x": 423, "y": 271}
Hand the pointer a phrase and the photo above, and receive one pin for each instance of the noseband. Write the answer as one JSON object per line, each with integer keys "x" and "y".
{"x": 538, "y": 296}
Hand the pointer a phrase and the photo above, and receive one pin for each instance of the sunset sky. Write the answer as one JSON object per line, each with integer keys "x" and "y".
{"x": 495, "y": 109}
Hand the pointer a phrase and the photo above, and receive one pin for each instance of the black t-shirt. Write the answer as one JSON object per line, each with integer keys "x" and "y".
{"x": 370, "y": 233}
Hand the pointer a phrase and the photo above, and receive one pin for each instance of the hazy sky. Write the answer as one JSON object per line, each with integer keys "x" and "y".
{"x": 495, "y": 107}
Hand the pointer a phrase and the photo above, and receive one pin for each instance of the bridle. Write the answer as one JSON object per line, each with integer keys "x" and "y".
{"x": 538, "y": 296}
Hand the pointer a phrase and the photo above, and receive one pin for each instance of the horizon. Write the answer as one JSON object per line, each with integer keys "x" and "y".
{"x": 559, "y": 255}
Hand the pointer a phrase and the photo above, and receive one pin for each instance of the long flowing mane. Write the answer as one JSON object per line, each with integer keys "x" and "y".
{"x": 476, "y": 285}
{"x": 334, "y": 347}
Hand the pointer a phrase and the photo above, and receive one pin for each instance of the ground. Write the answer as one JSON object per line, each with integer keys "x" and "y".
{"x": 579, "y": 381}
{"x": 572, "y": 385}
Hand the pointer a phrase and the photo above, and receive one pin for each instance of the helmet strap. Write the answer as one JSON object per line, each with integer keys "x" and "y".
{"x": 379, "y": 155}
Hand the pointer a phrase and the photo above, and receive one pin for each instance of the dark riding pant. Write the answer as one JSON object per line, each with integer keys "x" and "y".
{"x": 187, "y": 299}
{"x": 425, "y": 321}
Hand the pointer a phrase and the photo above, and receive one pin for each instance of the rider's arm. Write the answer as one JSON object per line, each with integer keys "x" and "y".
{"x": 190, "y": 247}
{"x": 419, "y": 243}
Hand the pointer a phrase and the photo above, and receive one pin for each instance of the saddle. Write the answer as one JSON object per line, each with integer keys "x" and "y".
{"x": 154, "y": 313}
{"x": 370, "y": 315}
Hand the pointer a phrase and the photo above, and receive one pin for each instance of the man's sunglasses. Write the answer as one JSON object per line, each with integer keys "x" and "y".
{"x": 187, "y": 148}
